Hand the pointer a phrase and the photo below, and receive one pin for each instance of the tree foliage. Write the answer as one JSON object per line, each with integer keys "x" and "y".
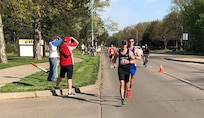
{"x": 186, "y": 16}
{"x": 193, "y": 17}
{"x": 41, "y": 19}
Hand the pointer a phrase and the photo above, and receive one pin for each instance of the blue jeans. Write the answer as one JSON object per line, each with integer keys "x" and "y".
{"x": 53, "y": 69}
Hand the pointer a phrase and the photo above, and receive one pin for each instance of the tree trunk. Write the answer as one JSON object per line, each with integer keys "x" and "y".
{"x": 37, "y": 40}
{"x": 181, "y": 42}
{"x": 165, "y": 42}
{"x": 3, "y": 57}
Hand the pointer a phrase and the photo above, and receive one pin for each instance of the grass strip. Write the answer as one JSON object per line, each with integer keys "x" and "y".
{"x": 14, "y": 60}
{"x": 85, "y": 73}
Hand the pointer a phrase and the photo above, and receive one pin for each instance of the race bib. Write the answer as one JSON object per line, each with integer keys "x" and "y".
{"x": 122, "y": 61}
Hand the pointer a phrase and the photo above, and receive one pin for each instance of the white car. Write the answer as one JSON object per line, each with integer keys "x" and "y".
{"x": 140, "y": 50}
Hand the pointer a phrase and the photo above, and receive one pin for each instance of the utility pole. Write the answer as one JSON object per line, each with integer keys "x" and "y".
{"x": 137, "y": 40}
{"x": 92, "y": 23}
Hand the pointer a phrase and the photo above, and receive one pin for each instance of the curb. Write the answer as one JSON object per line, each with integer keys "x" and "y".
{"x": 47, "y": 93}
{"x": 184, "y": 60}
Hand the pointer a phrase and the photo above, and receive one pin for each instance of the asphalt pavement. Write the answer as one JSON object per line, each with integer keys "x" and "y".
{"x": 14, "y": 74}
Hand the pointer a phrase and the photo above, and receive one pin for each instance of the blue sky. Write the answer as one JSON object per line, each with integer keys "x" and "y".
{"x": 131, "y": 12}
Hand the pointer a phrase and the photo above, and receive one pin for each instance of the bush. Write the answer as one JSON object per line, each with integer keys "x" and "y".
{"x": 11, "y": 48}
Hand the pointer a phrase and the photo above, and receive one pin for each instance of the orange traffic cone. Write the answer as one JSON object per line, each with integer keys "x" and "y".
{"x": 161, "y": 69}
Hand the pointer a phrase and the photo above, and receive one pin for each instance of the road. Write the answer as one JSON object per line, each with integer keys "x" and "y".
{"x": 155, "y": 95}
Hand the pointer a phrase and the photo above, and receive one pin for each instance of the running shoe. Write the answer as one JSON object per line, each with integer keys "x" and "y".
{"x": 56, "y": 87}
{"x": 71, "y": 94}
{"x": 128, "y": 94}
{"x": 123, "y": 102}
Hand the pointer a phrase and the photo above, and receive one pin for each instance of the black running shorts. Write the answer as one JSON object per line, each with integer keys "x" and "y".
{"x": 66, "y": 69}
{"x": 123, "y": 74}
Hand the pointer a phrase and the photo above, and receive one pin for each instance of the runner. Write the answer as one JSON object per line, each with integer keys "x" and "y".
{"x": 126, "y": 58}
{"x": 133, "y": 67}
{"x": 146, "y": 55}
{"x": 111, "y": 52}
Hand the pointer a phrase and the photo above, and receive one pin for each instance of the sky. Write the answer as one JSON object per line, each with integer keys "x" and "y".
{"x": 132, "y": 12}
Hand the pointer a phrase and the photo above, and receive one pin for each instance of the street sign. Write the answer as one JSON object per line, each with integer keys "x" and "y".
{"x": 94, "y": 30}
{"x": 185, "y": 36}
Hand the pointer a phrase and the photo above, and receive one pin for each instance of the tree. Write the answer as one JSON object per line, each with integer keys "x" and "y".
{"x": 99, "y": 26}
{"x": 31, "y": 13}
{"x": 139, "y": 30}
{"x": 194, "y": 22}
{"x": 3, "y": 57}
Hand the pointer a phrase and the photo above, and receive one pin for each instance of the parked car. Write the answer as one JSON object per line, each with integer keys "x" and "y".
{"x": 140, "y": 50}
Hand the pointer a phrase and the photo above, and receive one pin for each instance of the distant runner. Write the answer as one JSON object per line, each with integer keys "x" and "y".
{"x": 146, "y": 55}
{"x": 112, "y": 52}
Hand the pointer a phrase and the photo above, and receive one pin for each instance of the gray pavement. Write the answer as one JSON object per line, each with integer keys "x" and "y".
{"x": 14, "y": 74}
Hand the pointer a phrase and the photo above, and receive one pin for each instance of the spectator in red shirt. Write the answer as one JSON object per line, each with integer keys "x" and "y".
{"x": 67, "y": 62}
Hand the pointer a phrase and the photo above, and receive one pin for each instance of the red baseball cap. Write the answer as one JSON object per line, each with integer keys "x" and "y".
{"x": 67, "y": 39}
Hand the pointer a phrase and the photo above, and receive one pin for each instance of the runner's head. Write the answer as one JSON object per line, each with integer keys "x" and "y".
{"x": 124, "y": 44}
{"x": 54, "y": 38}
{"x": 111, "y": 45}
{"x": 131, "y": 42}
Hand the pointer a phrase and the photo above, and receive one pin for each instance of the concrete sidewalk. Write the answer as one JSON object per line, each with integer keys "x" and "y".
{"x": 16, "y": 73}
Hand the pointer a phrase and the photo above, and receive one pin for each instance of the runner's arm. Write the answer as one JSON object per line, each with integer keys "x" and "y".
{"x": 138, "y": 55}
{"x": 108, "y": 50}
{"x": 132, "y": 58}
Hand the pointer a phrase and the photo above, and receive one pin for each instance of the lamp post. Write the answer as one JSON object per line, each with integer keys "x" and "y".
{"x": 136, "y": 37}
{"x": 92, "y": 32}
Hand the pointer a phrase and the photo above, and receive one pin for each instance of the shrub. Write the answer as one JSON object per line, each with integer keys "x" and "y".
{"x": 11, "y": 47}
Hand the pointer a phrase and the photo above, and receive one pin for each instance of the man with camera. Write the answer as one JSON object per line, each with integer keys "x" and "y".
{"x": 67, "y": 62}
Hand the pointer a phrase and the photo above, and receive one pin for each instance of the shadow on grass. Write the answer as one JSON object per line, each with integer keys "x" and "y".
{"x": 22, "y": 83}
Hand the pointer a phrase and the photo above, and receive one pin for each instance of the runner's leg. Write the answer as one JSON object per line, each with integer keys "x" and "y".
{"x": 122, "y": 92}
{"x": 128, "y": 90}
{"x": 143, "y": 59}
{"x": 111, "y": 61}
{"x": 122, "y": 89}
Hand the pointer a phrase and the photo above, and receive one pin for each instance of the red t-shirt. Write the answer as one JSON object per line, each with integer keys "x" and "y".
{"x": 111, "y": 50}
{"x": 67, "y": 49}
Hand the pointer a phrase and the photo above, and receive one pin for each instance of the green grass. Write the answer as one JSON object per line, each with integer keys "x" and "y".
{"x": 14, "y": 60}
{"x": 179, "y": 52}
{"x": 85, "y": 73}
